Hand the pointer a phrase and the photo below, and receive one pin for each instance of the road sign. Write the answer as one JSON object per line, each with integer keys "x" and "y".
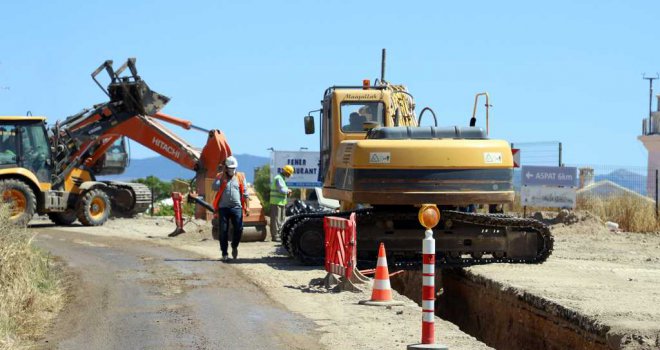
{"x": 554, "y": 197}
{"x": 549, "y": 176}
{"x": 305, "y": 165}
{"x": 516, "y": 157}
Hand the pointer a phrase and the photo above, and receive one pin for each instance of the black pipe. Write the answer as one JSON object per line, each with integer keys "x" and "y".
{"x": 419, "y": 120}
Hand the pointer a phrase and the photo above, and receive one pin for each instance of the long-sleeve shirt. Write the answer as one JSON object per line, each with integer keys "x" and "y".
{"x": 281, "y": 185}
{"x": 231, "y": 197}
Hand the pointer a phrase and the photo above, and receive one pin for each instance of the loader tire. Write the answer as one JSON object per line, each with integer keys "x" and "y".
{"x": 21, "y": 200}
{"x": 64, "y": 218}
{"x": 94, "y": 208}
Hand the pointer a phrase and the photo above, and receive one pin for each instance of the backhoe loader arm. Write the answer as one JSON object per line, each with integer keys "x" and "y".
{"x": 74, "y": 138}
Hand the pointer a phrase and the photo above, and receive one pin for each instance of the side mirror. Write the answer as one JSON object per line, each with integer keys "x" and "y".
{"x": 309, "y": 124}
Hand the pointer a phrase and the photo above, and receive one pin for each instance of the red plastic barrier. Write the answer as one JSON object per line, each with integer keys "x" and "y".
{"x": 340, "y": 245}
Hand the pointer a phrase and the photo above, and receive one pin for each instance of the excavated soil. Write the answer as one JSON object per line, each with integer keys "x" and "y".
{"x": 598, "y": 290}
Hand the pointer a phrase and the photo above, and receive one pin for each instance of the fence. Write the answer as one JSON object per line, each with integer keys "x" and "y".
{"x": 539, "y": 153}
{"x": 623, "y": 194}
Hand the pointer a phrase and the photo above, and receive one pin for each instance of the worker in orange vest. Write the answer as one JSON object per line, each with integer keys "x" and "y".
{"x": 231, "y": 200}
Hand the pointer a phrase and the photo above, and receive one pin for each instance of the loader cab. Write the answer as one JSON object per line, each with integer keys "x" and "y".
{"x": 24, "y": 144}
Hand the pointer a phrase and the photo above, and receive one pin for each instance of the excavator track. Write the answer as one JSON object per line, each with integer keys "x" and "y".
{"x": 129, "y": 198}
{"x": 302, "y": 237}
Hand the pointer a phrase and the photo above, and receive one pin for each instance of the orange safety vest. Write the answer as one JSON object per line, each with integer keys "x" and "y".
{"x": 223, "y": 185}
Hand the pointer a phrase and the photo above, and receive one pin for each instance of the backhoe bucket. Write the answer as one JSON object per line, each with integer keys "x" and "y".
{"x": 131, "y": 90}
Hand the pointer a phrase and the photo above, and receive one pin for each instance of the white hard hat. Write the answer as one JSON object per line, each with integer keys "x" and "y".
{"x": 231, "y": 162}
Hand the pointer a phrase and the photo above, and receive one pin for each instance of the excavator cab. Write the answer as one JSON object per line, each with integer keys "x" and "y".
{"x": 115, "y": 160}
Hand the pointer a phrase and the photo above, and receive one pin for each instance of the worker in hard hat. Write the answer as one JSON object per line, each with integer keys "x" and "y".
{"x": 279, "y": 192}
{"x": 231, "y": 201}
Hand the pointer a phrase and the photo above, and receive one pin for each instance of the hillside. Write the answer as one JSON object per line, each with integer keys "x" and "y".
{"x": 167, "y": 170}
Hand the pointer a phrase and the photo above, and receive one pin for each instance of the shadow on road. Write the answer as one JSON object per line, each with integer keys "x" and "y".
{"x": 192, "y": 260}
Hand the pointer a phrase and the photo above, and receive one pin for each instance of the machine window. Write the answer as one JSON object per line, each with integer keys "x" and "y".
{"x": 354, "y": 114}
{"x": 35, "y": 150}
{"x": 8, "y": 146}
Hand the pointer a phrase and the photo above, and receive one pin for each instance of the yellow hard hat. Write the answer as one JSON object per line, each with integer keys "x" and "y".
{"x": 288, "y": 170}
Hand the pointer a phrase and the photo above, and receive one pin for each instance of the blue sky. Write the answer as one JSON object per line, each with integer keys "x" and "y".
{"x": 556, "y": 70}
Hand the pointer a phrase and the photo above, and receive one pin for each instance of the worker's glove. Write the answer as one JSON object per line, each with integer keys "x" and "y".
{"x": 247, "y": 213}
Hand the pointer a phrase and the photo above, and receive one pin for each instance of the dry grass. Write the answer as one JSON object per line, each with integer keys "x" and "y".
{"x": 31, "y": 293}
{"x": 632, "y": 213}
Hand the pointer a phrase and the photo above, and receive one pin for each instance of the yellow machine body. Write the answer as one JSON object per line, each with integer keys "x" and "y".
{"x": 408, "y": 170}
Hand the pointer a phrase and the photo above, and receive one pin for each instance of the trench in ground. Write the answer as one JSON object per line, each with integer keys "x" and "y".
{"x": 502, "y": 318}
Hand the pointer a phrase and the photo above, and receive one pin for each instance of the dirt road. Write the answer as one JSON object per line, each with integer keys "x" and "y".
{"x": 340, "y": 322}
{"x": 128, "y": 294}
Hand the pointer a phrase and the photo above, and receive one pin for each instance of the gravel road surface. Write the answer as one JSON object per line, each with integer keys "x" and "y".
{"x": 128, "y": 294}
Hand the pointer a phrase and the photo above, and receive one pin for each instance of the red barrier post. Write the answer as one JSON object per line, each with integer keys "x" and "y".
{"x": 429, "y": 216}
{"x": 177, "y": 198}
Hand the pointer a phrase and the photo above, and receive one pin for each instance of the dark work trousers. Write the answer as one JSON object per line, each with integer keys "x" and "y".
{"x": 225, "y": 215}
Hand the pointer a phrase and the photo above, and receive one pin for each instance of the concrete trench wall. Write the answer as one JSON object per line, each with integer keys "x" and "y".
{"x": 503, "y": 318}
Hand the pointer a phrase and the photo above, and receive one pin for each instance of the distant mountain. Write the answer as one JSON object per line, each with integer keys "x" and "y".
{"x": 167, "y": 170}
{"x": 628, "y": 179}
{"x": 622, "y": 177}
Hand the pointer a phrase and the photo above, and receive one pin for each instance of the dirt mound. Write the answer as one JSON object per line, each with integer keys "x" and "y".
{"x": 567, "y": 217}
{"x": 573, "y": 221}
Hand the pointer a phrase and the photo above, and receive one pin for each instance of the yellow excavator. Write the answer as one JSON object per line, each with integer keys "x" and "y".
{"x": 381, "y": 163}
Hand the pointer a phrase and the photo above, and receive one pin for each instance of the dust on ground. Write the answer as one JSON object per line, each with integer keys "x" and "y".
{"x": 342, "y": 322}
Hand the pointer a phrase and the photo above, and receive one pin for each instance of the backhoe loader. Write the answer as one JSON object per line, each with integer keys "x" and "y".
{"x": 52, "y": 171}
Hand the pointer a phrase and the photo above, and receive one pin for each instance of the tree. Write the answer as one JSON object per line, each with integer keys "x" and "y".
{"x": 159, "y": 189}
{"x": 262, "y": 186}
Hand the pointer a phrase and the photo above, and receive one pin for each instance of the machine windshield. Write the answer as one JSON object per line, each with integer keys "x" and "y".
{"x": 8, "y": 146}
{"x": 354, "y": 114}
{"x": 35, "y": 150}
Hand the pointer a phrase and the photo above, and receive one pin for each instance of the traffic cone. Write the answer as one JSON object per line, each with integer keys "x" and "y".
{"x": 381, "y": 294}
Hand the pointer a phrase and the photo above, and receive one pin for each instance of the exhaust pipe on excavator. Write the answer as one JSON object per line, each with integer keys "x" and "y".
{"x": 382, "y": 67}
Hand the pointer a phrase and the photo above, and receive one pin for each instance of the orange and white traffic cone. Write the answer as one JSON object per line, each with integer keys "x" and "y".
{"x": 381, "y": 294}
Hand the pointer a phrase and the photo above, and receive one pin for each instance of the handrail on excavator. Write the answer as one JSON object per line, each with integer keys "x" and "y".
{"x": 473, "y": 120}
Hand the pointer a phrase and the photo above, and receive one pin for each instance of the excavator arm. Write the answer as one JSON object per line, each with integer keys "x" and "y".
{"x": 152, "y": 134}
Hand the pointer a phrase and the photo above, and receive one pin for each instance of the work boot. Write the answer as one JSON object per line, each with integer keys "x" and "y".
{"x": 225, "y": 257}
{"x": 234, "y": 252}
{"x": 276, "y": 238}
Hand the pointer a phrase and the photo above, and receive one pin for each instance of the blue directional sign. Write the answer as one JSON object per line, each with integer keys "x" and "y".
{"x": 549, "y": 176}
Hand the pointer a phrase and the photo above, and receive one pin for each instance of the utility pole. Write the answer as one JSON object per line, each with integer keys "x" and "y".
{"x": 650, "y": 79}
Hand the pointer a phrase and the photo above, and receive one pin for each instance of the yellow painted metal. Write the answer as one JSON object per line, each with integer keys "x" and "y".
{"x": 97, "y": 208}
{"x": 354, "y": 151}
{"x": 426, "y": 154}
{"x": 15, "y": 118}
{"x": 17, "y": 202}
{"x": 25, "y": 173}
{"x": 75, "y": 179}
